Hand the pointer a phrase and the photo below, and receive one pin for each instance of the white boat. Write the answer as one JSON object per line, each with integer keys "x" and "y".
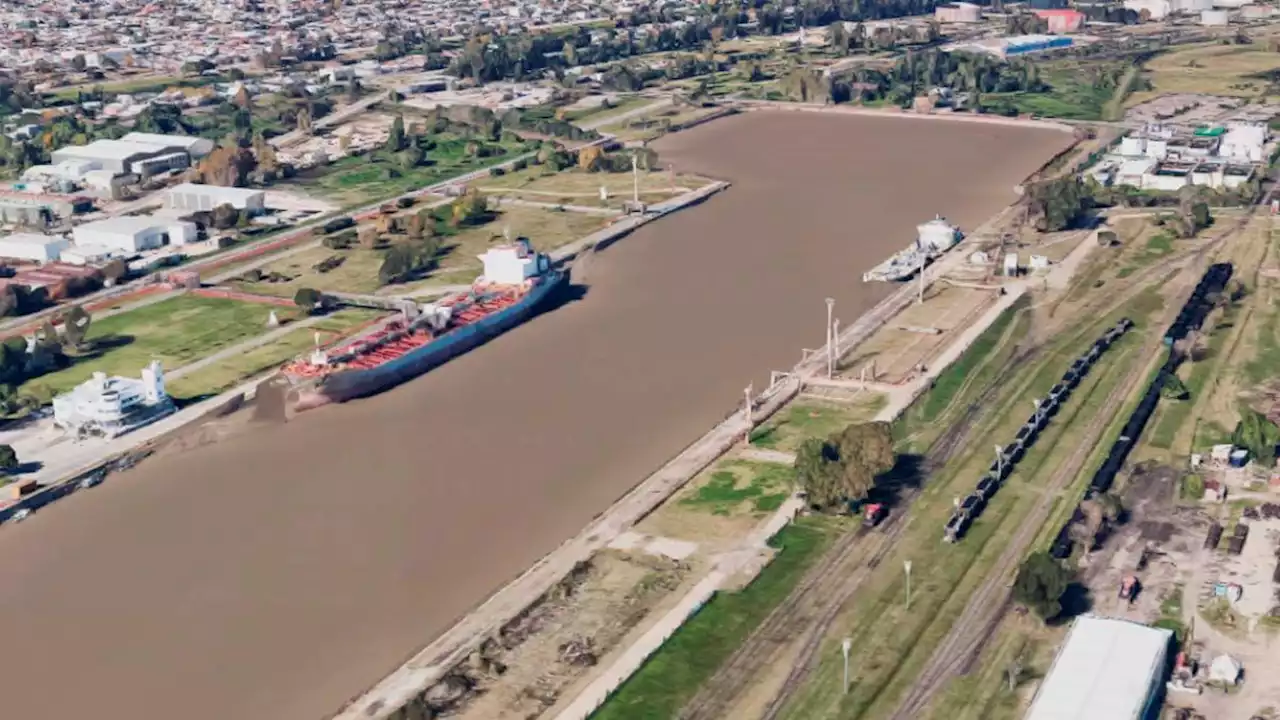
{"x": 933, "y": 239}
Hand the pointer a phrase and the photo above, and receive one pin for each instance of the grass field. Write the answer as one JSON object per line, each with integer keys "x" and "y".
{"x": 357, "y": 180}
{"x": 457, "y": 262}
{"x": 600, "y": 113}
{"x": 145, "y": 83}
{"x": 674, "y": 673}
{"x": 735, "y": 484}
{"x": 1073, "y": 94}
{"x": 812, "y": 418}
{"x": 891, "y": 645}
{"x": 650, "y": 126}
{"x": 176, "y": 331}
{"x": 1214, "y": 69}
{"x": 231, "y": 372}
{"x": 575, "y": 187}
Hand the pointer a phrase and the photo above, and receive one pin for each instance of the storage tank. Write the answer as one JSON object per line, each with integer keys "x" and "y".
{"x": 1133, "y": 146}
{"x": 937, "y": 234}
{"x": 1214, "y": 18}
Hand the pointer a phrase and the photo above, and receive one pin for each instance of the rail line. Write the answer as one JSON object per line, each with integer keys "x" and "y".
{"x": 987, "y": 605}
{"x": 941, "y": 451}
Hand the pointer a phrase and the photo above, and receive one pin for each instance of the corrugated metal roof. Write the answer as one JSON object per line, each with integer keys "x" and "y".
{"x": 1105, "y": 671}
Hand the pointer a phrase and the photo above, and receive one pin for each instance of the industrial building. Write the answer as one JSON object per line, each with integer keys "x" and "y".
{"x": 1160, "y": 158}
{"x": 112, "y": 406}
{"x": 1007, "y": 47}
{"x": 1108, "y": 669}
{"x": 196, "y": 147}
{"x": 961, "y": 12}
{"x": 33, "y": 247}
{"x": 124, "y": 157}
{"x": 1061, "y": 21}
{"x": 130, "y": 235}
{"x": 194, "y": 198}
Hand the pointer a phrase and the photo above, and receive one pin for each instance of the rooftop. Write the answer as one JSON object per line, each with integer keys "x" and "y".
{"x": 216, "y": 191}
{"x": 1106, "y": 669}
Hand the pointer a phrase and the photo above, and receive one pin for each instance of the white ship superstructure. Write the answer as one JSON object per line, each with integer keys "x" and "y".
{"x": 933, "y": 239}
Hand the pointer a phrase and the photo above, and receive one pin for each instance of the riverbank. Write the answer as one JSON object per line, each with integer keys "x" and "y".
{"x": 372, "y": 526}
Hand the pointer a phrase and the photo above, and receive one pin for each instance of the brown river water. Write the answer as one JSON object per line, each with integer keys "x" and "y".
{"x": 278, "y": 573}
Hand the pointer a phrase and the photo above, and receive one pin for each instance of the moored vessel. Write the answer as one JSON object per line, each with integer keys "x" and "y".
{"x": 516, "y": 284}
{"x": 933, "y": 239}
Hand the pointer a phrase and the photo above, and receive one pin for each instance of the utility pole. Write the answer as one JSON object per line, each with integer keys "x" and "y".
{"x": 746, "y": 415}
{"x": 845, "y": 646}
{"x": 635, "y": 180}
{"x": 906, "y": 565}
{"x": 831, "y": 304}
{"x": 835, "y": 338}
{"x": 999, "y": 461}
{"x": 920, "y": 297}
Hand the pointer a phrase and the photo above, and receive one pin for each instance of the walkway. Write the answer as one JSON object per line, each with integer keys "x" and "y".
{"x": 244, "y": 347}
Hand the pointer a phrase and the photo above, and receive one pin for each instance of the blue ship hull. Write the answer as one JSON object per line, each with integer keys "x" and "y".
{"x": 350, "y": 384}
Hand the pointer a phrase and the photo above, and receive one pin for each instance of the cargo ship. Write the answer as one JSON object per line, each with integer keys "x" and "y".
{"x": 516, "y": 284}
{"x": 933, "y": 239}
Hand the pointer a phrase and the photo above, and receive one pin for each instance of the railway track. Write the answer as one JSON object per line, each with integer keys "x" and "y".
{"x": 988, "y": 604}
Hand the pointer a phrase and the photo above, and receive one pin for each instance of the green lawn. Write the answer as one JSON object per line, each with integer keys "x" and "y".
{"x": 735, "y": 482}
{"x": 1073, "y": 94}
{"x": 229, "y": 373}
{"x": 356, "y": 180}
{"x": 674, "y": 673}
{"x": 802, "y": 420}
{"x": 176, "y": 332}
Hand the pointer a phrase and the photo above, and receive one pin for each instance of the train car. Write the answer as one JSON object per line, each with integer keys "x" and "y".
{"x": 955, "y": 527}
{"x": 987, "y": 487}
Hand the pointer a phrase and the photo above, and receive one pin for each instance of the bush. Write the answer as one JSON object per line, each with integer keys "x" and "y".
{"x": 337, "y": 224}
{"x": 519, "y": 165}
{"x": 307, "y": 298}
{"x": 340, "y": 241}
{"x": 496, "y": 172}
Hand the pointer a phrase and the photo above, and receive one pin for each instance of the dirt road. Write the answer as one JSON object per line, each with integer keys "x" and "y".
{"x": 277, "y": 574}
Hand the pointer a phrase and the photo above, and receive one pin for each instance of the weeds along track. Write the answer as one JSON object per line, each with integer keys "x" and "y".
{"x": 987, "y": 605}
{"x": 944, "y": 448}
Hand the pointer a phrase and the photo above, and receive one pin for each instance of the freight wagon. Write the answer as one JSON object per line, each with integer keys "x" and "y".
{"x": 1012, "y": 453}
{"x": 1190, "y": 318}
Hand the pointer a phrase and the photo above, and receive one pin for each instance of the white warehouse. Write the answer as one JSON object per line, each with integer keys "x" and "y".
{"x": 129, "y": 235}
{"x": 140, "y": 154}
{"x": 1108, "y": 669}
{"x": 31, "y": 246}
{"x": 194, "y": 198}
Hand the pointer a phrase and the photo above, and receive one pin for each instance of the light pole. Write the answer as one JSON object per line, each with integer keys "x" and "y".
{"x": 746, "y": 415}
{"x": 831, "y": 304}
{"x": 845, "y": 646}
{"x": 999, "y": 461}
{"x": 835, "y": 339}
{"x": 906, "y": 566}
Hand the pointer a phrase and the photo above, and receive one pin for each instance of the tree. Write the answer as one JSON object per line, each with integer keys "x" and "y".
{"x": 1173, "y": 388}
{"x": 471, "y": 208}
{"x": 395, "y": 138}
{"x": 303, "y": 119}
{"x": 865, "y": 450}
{"x": 242, "y": 100}
{"x": 307, "y": 298}
{"x": 844, "y": 467}
{"x": 817, "y": 472}
{"x": 411, "y": 157}
{"x": 1040, "y": 585}
{"x": 75, "y": 327}
{"x": 1258, "y": 435}
{"x": 225, "y": 216}
{"x": 8, "y": 459}
{"x": 78, "y": 63}
{"x": 589, "y": 158}
{"x": 115, "y": 270}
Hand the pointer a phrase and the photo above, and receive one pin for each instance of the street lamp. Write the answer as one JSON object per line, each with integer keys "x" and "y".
{"x": 906, "y": 565}
{"x": 831, "y": 304}
{"x": 746, "y": 415}
{"x": 845, "y": 646}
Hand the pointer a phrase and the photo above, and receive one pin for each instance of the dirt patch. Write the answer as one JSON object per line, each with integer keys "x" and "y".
{"x": 523, "y": 671}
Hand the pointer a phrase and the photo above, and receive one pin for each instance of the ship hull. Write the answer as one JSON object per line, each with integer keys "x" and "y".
{"x": 352, "y": 384}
